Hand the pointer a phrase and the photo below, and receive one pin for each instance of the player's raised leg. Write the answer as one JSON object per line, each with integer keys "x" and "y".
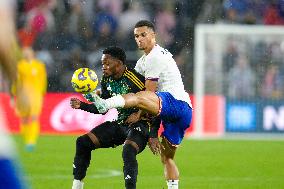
{"x": 145, "y": 100}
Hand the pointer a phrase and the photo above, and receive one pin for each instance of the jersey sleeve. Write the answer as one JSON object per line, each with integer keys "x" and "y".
{"x": 89, "y": 108}
{"x": 153, "y": 69}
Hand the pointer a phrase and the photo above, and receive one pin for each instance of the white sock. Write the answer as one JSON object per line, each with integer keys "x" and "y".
{"x": 172, "y": 184}
{"x": 115, "y": 102}
{"x": 77, "y": 184}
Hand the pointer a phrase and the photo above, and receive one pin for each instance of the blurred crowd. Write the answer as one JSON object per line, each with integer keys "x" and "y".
{"x": 254, "y": 68}
{"x": 267, "y": 12}
{"x": 69, "y": 34}
{"x": 251, "y": 66}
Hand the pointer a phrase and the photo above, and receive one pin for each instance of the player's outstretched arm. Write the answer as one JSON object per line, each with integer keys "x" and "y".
{"x": 77, "y": 104}
{"x": 9, "y": 51}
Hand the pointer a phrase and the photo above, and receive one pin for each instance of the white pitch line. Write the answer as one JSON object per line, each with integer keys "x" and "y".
{"x": 235, "y": 179}
{"x": 101, "y": 174}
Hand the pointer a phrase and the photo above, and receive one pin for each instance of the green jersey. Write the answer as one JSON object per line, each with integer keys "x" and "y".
{"x": 130, "y": 82}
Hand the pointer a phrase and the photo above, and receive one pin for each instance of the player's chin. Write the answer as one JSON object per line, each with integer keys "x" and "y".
{"x": 107, "y": 74}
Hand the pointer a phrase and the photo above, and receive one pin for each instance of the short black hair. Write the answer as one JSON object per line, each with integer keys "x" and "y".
{"x": 116, "y": 52}
{"x": 147, "y": 23}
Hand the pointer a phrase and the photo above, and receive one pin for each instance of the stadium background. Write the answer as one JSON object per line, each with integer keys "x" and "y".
{"x": 238, "y": 93}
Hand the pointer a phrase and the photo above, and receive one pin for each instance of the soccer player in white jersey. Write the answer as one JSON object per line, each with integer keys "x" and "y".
{"x": 9, "y": 174}
{"x": 164, "y": 96}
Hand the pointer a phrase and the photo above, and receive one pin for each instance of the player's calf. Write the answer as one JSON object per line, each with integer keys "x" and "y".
{"x": 84, "y": 146}
{"x": 130, "y": 167}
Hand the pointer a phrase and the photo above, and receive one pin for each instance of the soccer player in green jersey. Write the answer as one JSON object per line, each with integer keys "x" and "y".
{"x": 117, "y": 79}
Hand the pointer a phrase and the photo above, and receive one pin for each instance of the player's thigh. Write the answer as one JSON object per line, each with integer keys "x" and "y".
{"x": 148, "y": 101}
{"x": 138, "y": 135}
{"x": 23, "y": 101}
{"x": 109, "y": 134}
{"x": 37, "y": 104}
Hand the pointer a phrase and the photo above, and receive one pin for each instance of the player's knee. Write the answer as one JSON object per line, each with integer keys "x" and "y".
{"x": 166, "y": 158}
{"x": 84, "y": 142}
{"x": 129, "y": 153}
{"x": 163, "y": 159}
{"x": 80, "y": 141}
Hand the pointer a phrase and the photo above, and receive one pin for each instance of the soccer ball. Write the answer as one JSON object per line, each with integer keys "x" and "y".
{"x": 84, "y": 80}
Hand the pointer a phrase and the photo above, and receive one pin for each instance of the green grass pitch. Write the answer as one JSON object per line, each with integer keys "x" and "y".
{"x": 216, "y": 164}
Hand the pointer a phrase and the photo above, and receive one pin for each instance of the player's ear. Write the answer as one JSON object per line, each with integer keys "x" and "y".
{"x": 120, "y": 62}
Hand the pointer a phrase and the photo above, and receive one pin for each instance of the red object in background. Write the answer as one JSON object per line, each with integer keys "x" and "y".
{"x": 213, "y": 116}
{"x": 31, "y": 4}
{"x": 26, "y": 37}
{"x": 59, "y": 118}
{"x": 214, "y": 112}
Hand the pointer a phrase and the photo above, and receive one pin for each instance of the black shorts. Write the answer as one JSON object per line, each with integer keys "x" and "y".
{"x": 139, "y": 133}
{"x": 112, "y": 134}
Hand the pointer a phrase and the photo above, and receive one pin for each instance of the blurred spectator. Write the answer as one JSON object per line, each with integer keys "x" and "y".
{"x": 235, "y": 10}
{"x": 166, "y": 25}
{"x": 260, "y": 54}
{"x": 87, "y": 8}
{"x": 78, "y": 25}
{"x": 273, "y": 15}
{"x": 31, "y": 4}
{"x": 241, "y": 79}
{"x": 210, "y": 11}
{"x": 27, "y": 35}
{"x": 244, "y": 11}
{"x": 41, "y": 17}
{"x": 273, "y": 84}
{"x": 104, "y": 30}
{"x": 75, "y": 61}
{"x": 63, "y": 39}
{"x": 114, "y": 7}
{"x": 133, "y": 13}
{"x": 230, "y": 57}
{"x": 103, "y": 18}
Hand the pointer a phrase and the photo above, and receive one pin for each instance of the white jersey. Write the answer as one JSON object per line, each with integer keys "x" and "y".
{"x": 160, "y": 66}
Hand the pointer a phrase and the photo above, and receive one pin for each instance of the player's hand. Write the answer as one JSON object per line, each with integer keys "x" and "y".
{"x": 75, "y": 103}
{"x": 99, "y": 92}
{"x": 155, "y": 146}
{"x": 133, "y": 118}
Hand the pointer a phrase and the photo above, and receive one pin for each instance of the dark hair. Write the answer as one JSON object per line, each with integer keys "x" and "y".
{"x": 115, "y": 52}
{"x": 147, "y": 23}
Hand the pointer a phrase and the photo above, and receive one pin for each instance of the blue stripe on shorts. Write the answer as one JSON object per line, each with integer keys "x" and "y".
{"x": 176, "y": 117}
